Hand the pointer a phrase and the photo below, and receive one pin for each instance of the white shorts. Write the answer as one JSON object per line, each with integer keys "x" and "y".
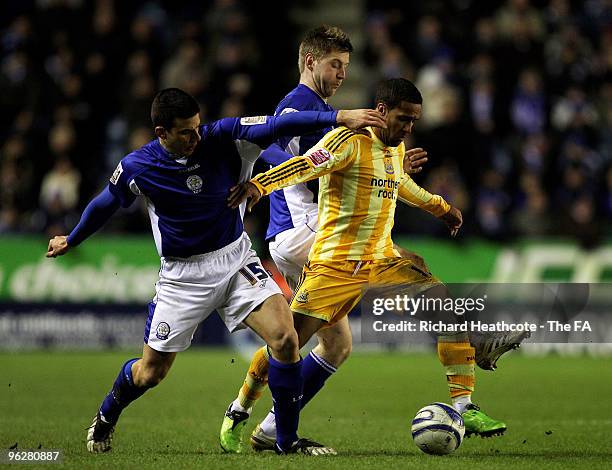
{"x": 231, "y": 281}
{"x": 290, "y": 250}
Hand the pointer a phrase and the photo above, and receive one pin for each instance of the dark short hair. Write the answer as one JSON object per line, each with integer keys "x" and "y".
{"x": 395, "y": 90}
{"x": 321, "y": 41}
{"x": 170, "y": 104}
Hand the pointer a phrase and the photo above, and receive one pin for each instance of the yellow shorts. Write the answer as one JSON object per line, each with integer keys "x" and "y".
{"x": 329, "y": 291}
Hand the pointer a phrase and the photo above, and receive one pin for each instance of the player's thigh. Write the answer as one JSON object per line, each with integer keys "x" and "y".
{"x": 271, "y": 320}
{"x": 183, "y": 299}
{"x": 329, "y": 291}
{"x": 306, "y": 326}
{"x": 253, "y": 299}
{"x": 402, "y": 272}
{"x": 416, "y": 259}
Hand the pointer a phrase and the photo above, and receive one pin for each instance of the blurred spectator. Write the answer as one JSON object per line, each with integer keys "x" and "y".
{"x": 580, "y": 222}
{"x": 492, "y": 204}
{"x": 528, "y": 108}
{"x": 59, "y": 196}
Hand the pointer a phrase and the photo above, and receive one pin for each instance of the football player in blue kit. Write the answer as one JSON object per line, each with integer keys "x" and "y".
{"x": 207, "y": 262}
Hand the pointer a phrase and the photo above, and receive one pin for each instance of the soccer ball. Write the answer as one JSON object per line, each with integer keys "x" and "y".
{"x": 438, "y": 429}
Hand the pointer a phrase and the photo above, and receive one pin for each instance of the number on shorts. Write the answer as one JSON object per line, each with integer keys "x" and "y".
{"x": 254, "y": 273}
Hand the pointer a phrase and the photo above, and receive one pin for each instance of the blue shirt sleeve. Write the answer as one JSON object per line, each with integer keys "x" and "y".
{"x": 95, "y": 215}
{"x": 274, "y": 155}
{"x": 263, "y": 130}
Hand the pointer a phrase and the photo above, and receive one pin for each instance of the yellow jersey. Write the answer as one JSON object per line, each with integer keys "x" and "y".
{"x": 360, "y": 181}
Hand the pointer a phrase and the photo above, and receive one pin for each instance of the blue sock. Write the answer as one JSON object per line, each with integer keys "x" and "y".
{"x": 315, "y": 371}
{"x": 122, "y": 394}
{"x": 286, "y": 385}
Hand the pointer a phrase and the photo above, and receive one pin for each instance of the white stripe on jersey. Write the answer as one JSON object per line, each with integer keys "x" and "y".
{"x": 249, "y": 152}
{"x": 154, "y": 225}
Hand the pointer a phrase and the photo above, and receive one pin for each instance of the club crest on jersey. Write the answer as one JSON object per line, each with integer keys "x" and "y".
{"x": 116, "y": 174}
{"x": 389, "y": 167}
{"x": 320, "y": 156}
{"x": 194, "y": 182}
{"x": 253, "y": 120}
{"x": 162, "y": 331}
{"x": 302, "y": 297}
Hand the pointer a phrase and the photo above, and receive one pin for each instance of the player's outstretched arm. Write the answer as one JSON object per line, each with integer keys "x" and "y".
{"x": 263, "y": 130}
{"x": 96, "y": 214}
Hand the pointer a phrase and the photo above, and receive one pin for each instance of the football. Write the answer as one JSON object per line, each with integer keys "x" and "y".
{"x": 438, "y": 429}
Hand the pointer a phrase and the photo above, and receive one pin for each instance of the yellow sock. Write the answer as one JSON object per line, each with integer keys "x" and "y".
{"x": 256, "y": 379}
{"x": 457, "y": 356}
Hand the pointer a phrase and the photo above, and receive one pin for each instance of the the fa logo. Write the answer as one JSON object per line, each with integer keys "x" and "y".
{"x": 302, "y": 297}
{"x": 194, "y": 182}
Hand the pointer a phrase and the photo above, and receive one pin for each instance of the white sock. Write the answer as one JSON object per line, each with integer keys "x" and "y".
{"x": 236, "y": 406}
{"x": 461, "y": 403}
{"x": 268, "y": 425}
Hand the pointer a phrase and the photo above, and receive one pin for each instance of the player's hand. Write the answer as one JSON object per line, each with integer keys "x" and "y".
{"x": 414, "y": 159}
{"x": 242, "y": 192}
{"x": 57, "y": 246}
{"x": 453, "y": 219}
{"x": 360, "y": 118}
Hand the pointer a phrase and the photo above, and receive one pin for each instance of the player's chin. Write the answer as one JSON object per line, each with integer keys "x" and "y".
{"x": 332, "y": 91}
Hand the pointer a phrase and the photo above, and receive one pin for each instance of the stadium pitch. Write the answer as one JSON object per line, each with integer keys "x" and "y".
{"x": 557, "y": 410}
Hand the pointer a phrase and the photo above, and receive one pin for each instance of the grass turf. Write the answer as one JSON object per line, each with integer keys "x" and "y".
{"x": 557, "y": 410}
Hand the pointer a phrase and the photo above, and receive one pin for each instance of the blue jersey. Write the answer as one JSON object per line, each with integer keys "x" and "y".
{"x": 187, "y": 197}
{"x": 296, "y": 205}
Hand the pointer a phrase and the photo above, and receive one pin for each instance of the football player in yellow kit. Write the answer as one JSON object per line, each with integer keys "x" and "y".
{"x": 361, "y": 178}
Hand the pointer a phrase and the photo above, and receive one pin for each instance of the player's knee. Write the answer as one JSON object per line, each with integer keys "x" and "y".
{"x": 284, "y": 345}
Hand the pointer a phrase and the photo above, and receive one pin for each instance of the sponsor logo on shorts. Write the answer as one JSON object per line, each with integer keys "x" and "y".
{"x": 116, "y": 174}
{"x": 194, "y": 182}
{"x": 302, "y": 297}
{"x": 320, "y": 156}
{"x": 162, "y": 331}
{"x": 253, "y": 120}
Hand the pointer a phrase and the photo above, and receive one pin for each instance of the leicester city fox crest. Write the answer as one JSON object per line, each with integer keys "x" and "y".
{"x": 162, "y": 331}
{"x": 194, "y": 182}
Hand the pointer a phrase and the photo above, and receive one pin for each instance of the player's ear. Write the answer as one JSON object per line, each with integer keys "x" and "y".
{"x": 160, "y": 132}
{"x": 382, "y": 108}
{"x": 309, "y": 61}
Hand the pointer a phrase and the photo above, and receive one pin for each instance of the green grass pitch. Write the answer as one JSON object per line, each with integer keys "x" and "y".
{"x": 558, "y": 412}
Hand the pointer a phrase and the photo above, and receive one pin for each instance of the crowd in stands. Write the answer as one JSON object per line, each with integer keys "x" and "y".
{"x": 517, "y": 109}
{"x": 517, "y": 114}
